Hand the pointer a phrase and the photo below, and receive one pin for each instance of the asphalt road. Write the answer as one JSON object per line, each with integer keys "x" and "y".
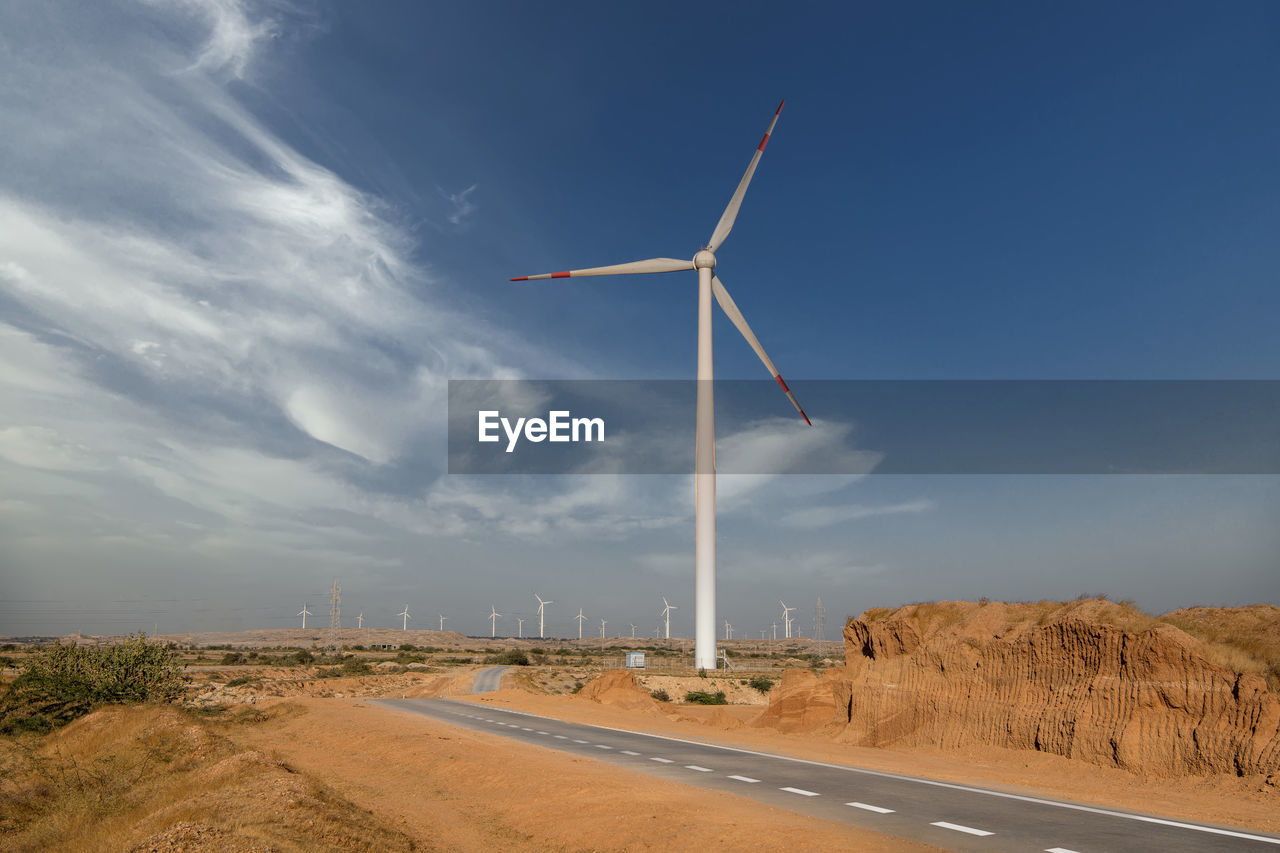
{"x": 488, "y": 680}
{"x": 948, "y": 815}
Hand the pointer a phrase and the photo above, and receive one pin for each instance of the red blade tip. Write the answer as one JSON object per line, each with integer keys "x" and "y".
{"x": 780, "y": 103}
{"x": 521, "y": 278}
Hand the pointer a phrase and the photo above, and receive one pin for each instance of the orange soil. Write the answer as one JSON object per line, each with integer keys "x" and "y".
{"x": 455, "y": 789}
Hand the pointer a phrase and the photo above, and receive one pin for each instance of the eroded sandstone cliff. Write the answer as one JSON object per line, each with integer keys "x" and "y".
{"x": 1090, "y": 680}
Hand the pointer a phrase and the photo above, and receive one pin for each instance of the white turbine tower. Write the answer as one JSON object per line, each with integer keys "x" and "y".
{"x": 580, "y": 619}
{"x": 404, "y": 624}
{"x": 633, "y": 630}
{"x": 304, "y": 613}
{"x": 442, "y": 618}
{"x": 775, "y": 631}
{"x": 520, "y": 622}
{"x": 704, "y": 501}
{"x": 360, "y": 620}
{"x": 542, "y": 606}
{"x": 667, "y": 607}
{"x": 786, "y": 617}
{"x": 493, "y": 622}
{"x": 602, "y": 624}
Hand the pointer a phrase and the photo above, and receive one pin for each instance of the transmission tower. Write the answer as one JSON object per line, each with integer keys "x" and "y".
{"x": 335, "y": 615}
{"x": 817, "y": 627}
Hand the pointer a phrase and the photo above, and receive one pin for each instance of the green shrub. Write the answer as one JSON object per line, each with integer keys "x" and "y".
{"x": 511, "y": 657}
{"x": 702, "y": 697}
{"x": 232, "y": 658}
{"x": 761, "y": 683}
{"x": 408, "y": 647}
{"x": 355, "y": 666}
{"x": 302, "y": 656}
{"x": 660, "y": 695}
{"x": 60, "y": 683}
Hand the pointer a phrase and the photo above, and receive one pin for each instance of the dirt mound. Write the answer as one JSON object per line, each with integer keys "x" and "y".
{"x": 156, "y": 779}
{"x": 618, "y": 687}
{"x": 1092, "y": 680}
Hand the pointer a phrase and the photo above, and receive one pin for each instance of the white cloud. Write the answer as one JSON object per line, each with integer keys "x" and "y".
{"x": 463, "y": 207}
{"x": 826, "y": 516}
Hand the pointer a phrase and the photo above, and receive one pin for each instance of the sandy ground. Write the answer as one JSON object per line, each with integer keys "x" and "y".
{"x": 455, "y": 789}
{"x": 1250, "y": 802}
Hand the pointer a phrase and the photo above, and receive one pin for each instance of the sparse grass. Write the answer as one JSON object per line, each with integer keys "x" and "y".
{"x": 131, "y": 778}
{"x": 660, "y": 695}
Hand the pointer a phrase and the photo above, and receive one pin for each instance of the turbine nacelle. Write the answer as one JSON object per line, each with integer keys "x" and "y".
{"x": 704, "y": 260}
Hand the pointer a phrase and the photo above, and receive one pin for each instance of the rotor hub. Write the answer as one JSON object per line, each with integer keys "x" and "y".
{"x": 705, "y": 259}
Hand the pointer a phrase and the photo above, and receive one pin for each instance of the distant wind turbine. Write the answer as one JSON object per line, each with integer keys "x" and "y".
{"x": 542, "y": 606}
{"x": 442, "y": 618}
{"x": 360, "y": 620}
{"x": 786, "y": 617}
{"x": 709, "y": 286}
{"x": 666, "y": 614}
{"x": 602, "y": 624}
{"x": 493, "y": 622}
{"x": 304, "y": 613}
{"x": 633, "y": 630}
{"x": 580, "y": 619}
{"x": 520, "y": 623}
{"x": 404, "y": 624}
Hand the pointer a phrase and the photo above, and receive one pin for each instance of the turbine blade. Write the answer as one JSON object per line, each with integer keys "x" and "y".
{"x": 735, "y": 316}
{"x": 651, "y": 265}
{"x": 725, "y": 225}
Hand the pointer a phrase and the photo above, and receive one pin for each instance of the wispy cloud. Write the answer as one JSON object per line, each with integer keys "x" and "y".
{"x": 826, "y": 516}
{"x": 463, "y": 206}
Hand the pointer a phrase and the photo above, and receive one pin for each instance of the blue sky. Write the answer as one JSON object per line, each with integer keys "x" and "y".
{"x": 244, "y": 245}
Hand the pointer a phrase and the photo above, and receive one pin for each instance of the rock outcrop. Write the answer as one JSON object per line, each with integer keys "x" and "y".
{"x": 1088, "y": 680}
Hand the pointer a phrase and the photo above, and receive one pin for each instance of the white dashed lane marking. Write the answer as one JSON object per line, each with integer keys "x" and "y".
{"x": 870, "y": 808}
{"x": 744, "y": 778}
{"x": 523, "y": 729}
{"x": 801, "y": 791}
{"x": 559, "y": 737}
{"x": 602, "y": 746}
{"x": 542, "y": 733}
{"x": 958, "y": 828}
{"x": 696, "y": 767}
{"x": 1058, "y": 850}
{"x": 629, "y": 752}
{"x": 575, "y": 740}
{"x": 662, "y": 760}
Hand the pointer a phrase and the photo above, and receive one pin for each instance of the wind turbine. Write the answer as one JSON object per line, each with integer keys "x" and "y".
{"x": 633, "y": 630}
{"x": 542, "y": 605}
{"x": 728, "y": 630}
{"x": 580, "y": 619}
{"x": 493, "y": 622}
{"x": 304, "y": 613}
{"x": 520, "y": 622}
{"x": 704, "y": 500}
{"x": 786, "y": 617}
{"x": 404, "y": 625}
{"x": 666, "y": 614}
{"x": 360, "y": 620}
{"x": 602, "y": 624}
{"x": 775, "y": 631}
{"x": 442, "y": 618}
